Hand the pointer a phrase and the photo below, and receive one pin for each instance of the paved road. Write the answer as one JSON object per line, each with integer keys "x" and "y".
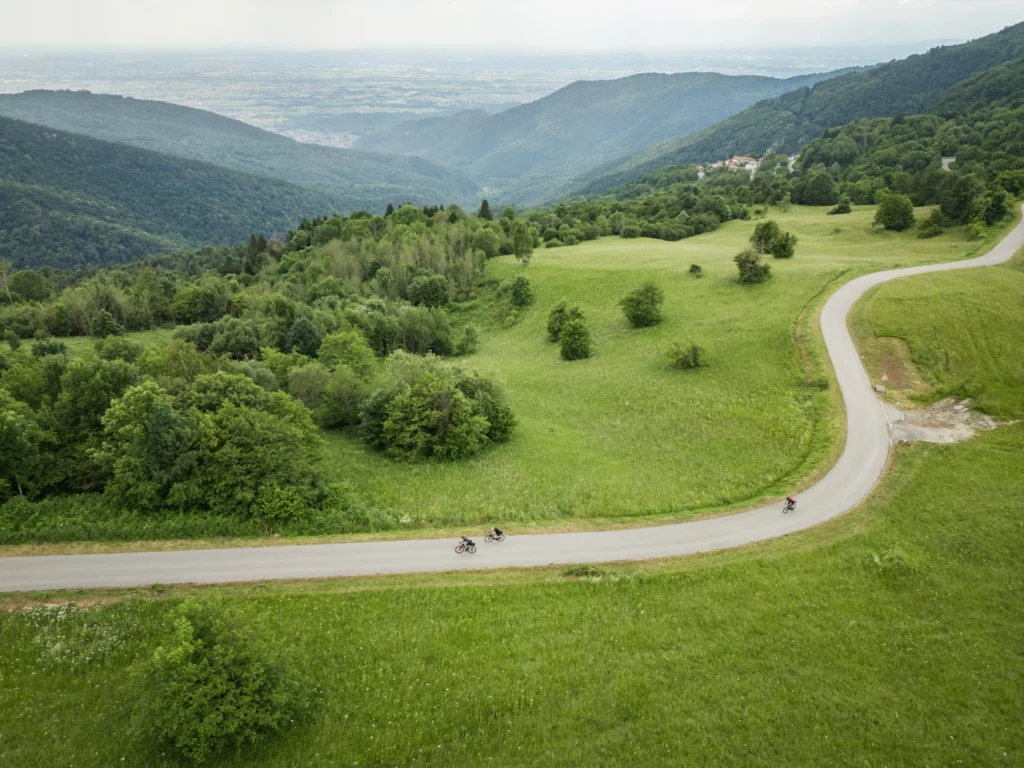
{"x": 847, "y": 483}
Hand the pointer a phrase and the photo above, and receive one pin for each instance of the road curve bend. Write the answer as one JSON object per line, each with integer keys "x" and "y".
{"x": 846, "y": 484}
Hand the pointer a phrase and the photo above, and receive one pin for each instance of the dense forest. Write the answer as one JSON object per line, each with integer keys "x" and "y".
{"x": 784, "y": 124}
{"x": 68, "y": 200}
{"x": 352, "y": 179}
{"x": 527, "y": 153}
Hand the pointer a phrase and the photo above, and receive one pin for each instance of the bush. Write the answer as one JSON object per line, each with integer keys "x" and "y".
{"x": 520, "y": 293}
{"x": 643, "y": 306}
{"x": 342, "y": 398}
{"x": 430, "y": 410}
{"x": 103, "y": 324}
{"x": 562, "y": 313}
{"x": 51, "y": 347}
{"x": 349, "y": 348}
{"x": 895, "y": 212}
{"x": 933, "y": 225}
{"x": 751, "y": 269}
{"x": 841, "y": 208}
{"x": 214, "y": 684}
{"x": 784, "y": 246}
{"x": 574, "y": 340}
{"x": 469, "y": 342}
{"x": 696, "y": 270}
{"x": 685, "y": 356}
{"x": 429, "y": 290}
{"x": 118, "y": 348}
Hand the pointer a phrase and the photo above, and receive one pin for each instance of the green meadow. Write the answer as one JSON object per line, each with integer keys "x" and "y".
{"x": 622, "y": 435}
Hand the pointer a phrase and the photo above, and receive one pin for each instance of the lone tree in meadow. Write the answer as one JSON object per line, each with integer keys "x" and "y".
{"x": 895, "y": 213}
{"x": 750, "y": 267}
{"x": 643, "y": 306}
{"x": 485, "y": 211}
{"x": 574, "y": 341}
{"x": 561, "y": 314}
{"x": 769, "y": 237}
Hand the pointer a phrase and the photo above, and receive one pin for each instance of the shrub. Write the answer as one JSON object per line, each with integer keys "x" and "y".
{"x": 118, "y": 348}
{"x": 574, "y": 340}
{"x": 685, "y": 356}
{"x": 342, "y": 398}
{"x": 895, "y": 212}
{"x": 841, "y": 208}
{"x": 520, "y": 294}
{"x": 51, "y": 347}
{"x": 643, "y": 306}
{"x": 933, "y": 225}
{"x": 562, "y": 313}
{"x": 429, "y": 290}
{"x": 784, "y": 246}
{"x": 214, "y": 684}
{"x": 751, "y": 269}
{"x": 696, "y": 270}
{"x": 308, "y": 383}
{"x": 103, "y": 324}
{"x": 349, "y": 348}
{"x": 469, "y": 342}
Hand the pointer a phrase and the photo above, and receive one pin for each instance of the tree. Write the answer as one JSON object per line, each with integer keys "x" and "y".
{"x": 487, "y": 240}
{"x": 560, "y": 314}
{"x": 696, "y": 270}
{"x": 214, "y": 684}
{"x": 431, "y": 418}
{"x": 429, "y": 290}
{"x": 5, "y": 270}
{"x": 751, "y": 269}
{"x": 29, "y": 285}
{"x": 895, "y": 212}
{"x": 103, "y": 324}
{"x": 765, "y": 233}
{"x": 643, "y": 306}
{"x": 520, "y": 294}
{"x": 820, "y": 190}
{"x": 235, "y": 338}
{"x": 308, "y": 383}
{"x": 574, "y": 340}
{"x": 784, "y": 246}
{"x": 842, "y": 207}
{"x": 522, "y": 241}
{"x": 389, "y": 211}
{"x": 485, "y": 211}
{"x": 342, "y": 399}
{"x": 349, "y": 348}
{"x": 22, "y": 464}
{"x": 304, "y": 338}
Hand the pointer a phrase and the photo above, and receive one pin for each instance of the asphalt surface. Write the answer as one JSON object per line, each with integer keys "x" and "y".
{"x": 846, "y": 484}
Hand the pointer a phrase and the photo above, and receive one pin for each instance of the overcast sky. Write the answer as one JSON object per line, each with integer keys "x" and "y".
{"x": 550, "y": 25}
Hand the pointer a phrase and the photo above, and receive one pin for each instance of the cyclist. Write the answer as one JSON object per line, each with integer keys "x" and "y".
{"x": 496, "y": 533}
{"x": 466, "y": 542}
{"x": 790, "y": 503}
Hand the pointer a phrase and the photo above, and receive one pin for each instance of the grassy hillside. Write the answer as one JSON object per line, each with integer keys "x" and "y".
{"x": 888, "y": 637}
{"x": 524, "y": 154}
{"x": 785, "y": 123}
{"x": 621, "y": 434}
{"x": 966, "y": 348}
{"x": 68, "y": 200}
{"x": 354, "y": 179}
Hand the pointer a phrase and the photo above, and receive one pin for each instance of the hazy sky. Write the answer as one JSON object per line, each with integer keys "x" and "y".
{"x": 551, "y": 25}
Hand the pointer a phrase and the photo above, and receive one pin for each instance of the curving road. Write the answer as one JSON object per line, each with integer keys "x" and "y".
{"x": 846, "y": 484}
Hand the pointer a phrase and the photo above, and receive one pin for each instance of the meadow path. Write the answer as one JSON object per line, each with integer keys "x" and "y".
{"x": 846, "y": 484}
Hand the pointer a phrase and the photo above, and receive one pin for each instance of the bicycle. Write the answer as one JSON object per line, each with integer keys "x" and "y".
{"x": 471, "y": 548}
{"x": 499, "y": 537}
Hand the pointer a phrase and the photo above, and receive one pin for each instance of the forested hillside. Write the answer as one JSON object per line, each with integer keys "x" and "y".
{"x": 784, "y": 124}
{"x": 526, "y": 153}
{"x": 68, "y": 200}
{"x": 355, "y": 179}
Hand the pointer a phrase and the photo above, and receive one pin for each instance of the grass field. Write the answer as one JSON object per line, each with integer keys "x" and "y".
{"x": 621, "y": 435}
{"x": 80, "y": 346}
{"x": 960, "y": 330}
{"x": 892, "y": 637}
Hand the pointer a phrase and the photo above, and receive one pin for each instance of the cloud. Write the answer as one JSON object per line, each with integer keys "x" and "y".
{"x": 556, "y": 25}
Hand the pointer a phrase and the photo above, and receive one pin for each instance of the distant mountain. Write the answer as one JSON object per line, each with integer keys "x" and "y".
{"x": 785, "y": 123}
{"x": 526, "y": 153}
{"x": 356, "y": 179}
{"x": 68, "y": 200}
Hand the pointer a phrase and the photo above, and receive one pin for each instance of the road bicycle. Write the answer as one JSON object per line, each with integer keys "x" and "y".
{"x": 471, "y": 548}
{"x": 499, "y": 537}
